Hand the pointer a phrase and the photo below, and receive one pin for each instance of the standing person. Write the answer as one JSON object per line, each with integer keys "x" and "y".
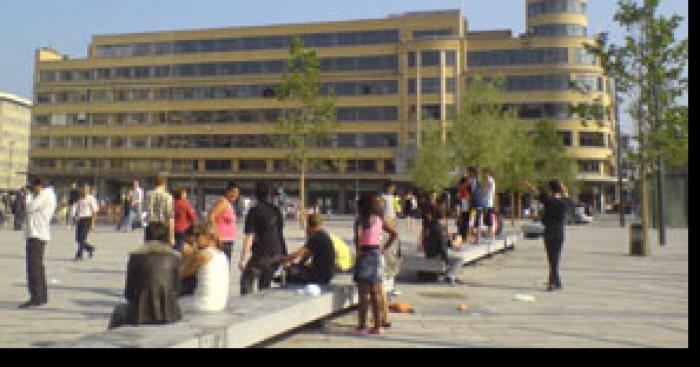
{"x": 159, "y": 207}
{"x": 127, "y": 203}
{"x": 476, "y": 203}
{"x": 223, "y": 219}
{"x": 137, "y": 204}
{"x": 463, "y": 215}
{"x": 19, "y": 208}
{"x": 185, "y": 218}
{"x": 73, "y": 197}
{"x": 555, "y": 204}
{"x": 85, "y": 215}
{"x": 408, "y": 210}
{"x": 40, "y": 205}
{"x": 392, "y": 257}
{"x": 263, "y": 246}
{"x": 489, "y": 203}
{"x": 368, "y": 268}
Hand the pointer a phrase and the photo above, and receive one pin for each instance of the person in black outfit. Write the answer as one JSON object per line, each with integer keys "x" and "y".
{"x": 316, "y": 258}
{"x": 263, "y": 246}
{"x": 555, "y": 206}
{"x": 153, "y": 281}
{"x": 73, "y": 197}
{"x": 19, "y": 208}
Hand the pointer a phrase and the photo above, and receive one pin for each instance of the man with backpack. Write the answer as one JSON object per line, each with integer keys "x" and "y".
{"x": 476, "y": 203}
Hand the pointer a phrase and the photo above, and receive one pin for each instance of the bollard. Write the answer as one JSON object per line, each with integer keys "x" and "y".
{"x": 637, "y": 245}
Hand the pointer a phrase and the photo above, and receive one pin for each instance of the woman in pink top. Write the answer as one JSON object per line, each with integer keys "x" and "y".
{"x": 223, "y": 219}
{"x": 368, "y": 269}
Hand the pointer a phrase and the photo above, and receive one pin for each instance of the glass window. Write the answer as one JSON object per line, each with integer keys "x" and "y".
{"x": 581, "y": 56}
{"x": 543, "y": 55}
{"x": 389, "y": 166}
{"x": 217, "y": 165}
{"x": 591, "y": 139}
{"x": 587, "y": 166}
{"x": 99, "y": 142}
{"x": 432, "y": 33}
{"x": 185, "y": 165}
{"x": 362, "y": 165}
{"x": 411, "y": 59}
{"x": 252, "y": 165}
{"x": 559, "y": 30}
{"x": 566, "y": 138}
{"x": 430, "y": 58}
{"x": 451, "y": 58}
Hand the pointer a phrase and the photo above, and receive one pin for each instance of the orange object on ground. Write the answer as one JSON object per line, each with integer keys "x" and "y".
{"x": 463, "y": 307}
{"x": 400, "y": 307}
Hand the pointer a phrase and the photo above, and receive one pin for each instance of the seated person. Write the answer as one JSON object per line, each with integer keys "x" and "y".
{"x": 211, "y": 267}
{"x": 438, "y": 242}
{"x": 152, "y": 283}
{"x": 189, "y": 284}
{"x": 316, "y": 259}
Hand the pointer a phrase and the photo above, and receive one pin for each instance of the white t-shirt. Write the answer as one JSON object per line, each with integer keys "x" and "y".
{"x": 39, "y": 213}
{"x": 211, "y": 294}
{"x": 490, "y": 192}
{"x": 85, "y": 207}
{"x": 388, "y": 206}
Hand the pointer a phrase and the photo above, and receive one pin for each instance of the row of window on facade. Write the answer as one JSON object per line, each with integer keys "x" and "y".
{"x": 514, "y": 83}
{"x": 559, "y": 30}
{"x": 508, "y": 57}
{"x": 525, "y": 111}
{"x": 373, "y": 37}
{"x": 213, "y": 165}
{"x": 340, "y": 140}
{"x": 556, "y": 6}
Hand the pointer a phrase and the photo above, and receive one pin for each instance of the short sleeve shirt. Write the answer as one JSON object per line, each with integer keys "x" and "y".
{"x": 159, "y": 206}
{"x": 554, "y": 213}
{"x": 265, "y": 222}
{"x": 323, "y": 261}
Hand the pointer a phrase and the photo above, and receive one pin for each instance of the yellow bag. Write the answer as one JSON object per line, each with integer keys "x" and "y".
{"x": 343, "y": 257}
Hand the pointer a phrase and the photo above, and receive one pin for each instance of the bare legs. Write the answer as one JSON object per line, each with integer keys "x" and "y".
{"x": 371, "y": 294}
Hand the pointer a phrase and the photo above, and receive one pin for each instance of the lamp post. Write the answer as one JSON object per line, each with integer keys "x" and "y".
{"x": 618, "y": 139}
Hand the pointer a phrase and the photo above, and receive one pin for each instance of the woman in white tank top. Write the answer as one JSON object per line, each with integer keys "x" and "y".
{"x": 212, "y": 268}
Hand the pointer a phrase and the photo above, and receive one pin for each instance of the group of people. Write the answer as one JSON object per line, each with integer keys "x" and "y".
{"x": 13, "y": 203}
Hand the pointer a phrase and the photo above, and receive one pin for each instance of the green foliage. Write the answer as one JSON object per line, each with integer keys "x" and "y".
{"x": 516, "y": 157}
{"x": 311, "y": 120}
{"x": 434, "y": 161}
{"x": 551, "y": 160}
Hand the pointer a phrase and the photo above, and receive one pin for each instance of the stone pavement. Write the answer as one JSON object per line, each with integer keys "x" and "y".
{"x": 610, "y": 299}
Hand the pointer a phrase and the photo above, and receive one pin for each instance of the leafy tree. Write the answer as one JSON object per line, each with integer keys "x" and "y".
{"x": 651, "y": 67}
{"x": 516, "y": 161}
{"x": 551, "y": 159}
{"x": 311, "y": 120}
{"x": 434, "y": 161}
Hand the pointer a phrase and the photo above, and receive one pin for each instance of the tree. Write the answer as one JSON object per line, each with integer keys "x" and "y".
{"x": 651, "y": 66}
{"x": 311, "y": 120}
{"x": 551, "y": 159}
{"x": 434, "y": 161}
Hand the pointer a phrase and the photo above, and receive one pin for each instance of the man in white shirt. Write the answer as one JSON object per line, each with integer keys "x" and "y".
{"x": 137, "y": 204}
{"x": 41, "y": 205}
{"x": 489, "y": 202}
{"x": 85, "y": 215}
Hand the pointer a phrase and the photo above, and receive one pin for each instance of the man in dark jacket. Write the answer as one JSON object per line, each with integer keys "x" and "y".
{"x": 153, "y": 281}
{"x": 19, "y": 208}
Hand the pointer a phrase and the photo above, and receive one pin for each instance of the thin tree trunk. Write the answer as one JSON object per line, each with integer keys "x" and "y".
{"x": 519, "y": 212}
{"x": 302, "y": 196}
{"x": 645, "y": 208}
{"x": 512, "y": 208}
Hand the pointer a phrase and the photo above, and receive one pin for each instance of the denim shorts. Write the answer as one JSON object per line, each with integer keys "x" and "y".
{"x": 368, "y": 267}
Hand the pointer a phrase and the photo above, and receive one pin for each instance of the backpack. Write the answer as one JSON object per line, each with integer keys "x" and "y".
{"x": 344, "y": 260}
{"x": 476, "y": 199}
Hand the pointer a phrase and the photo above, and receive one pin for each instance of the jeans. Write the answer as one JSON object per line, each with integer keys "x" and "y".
{"x": 258, "y": 268}
{"x": 81, "y": 232}
{"x": 36, "y": 277}
{"x": 227, "y": 248}
{"x": 463, "y": 225}
{"x": 455, "y": 262}
{"x": 180, "y": 241}
{"x": 553, "y": 243}
{"x": 19, "y": 219}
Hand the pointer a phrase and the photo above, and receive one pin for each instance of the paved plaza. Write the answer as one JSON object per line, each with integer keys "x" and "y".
{"x": 610, "y": 299}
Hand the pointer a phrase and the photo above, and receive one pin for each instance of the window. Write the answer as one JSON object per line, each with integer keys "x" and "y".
{"x": 560, "y": 111}
{"x": 585, "y": 166}
{"x": 411, "y": 59}
{"x": 43, "y": 163}
{"x": 389, "y": 166}
{"x": 451, "y": 58}
{"x": 428, "y": 86}
{"x": 554, "y": 82}
{"x": 430, "y": 58}
{"x": 559, "y": 30}
{"x": 556, "y": 6}
{"x": 252, "y": 165}
{"x": 432, "y": 33}
{"x": 139, "y": 142}
{"x": 362, "y": 165}
{"x": 591, "y": 139}
{"x": 388, "y": 113}
{"x": 581, "y": 56}
{"x": 566, "y": 137}
{"x": 324, "y": 166}
{"x": 99, "y": 142}
{"x": 543, "y": 55}
{"x": 43, "y": 142}
{"x": 185, "y": 165}
{"x": 217, "y": 165}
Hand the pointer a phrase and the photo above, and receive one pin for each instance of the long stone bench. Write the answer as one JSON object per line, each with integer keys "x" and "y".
{"x": 532, "y": 230}
{"x": 420, "y": 266}
{"x": 247, "y": 321}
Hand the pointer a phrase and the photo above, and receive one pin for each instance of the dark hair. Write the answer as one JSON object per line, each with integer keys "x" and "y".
{"x": 471, "y": 170}
{"x": 315, "y": 220}
{"x": 157, "y": 231}
{"x": 462, "y": 181}
{"x": 367, "y": 206}
{"x": 487, "y": 171}
{"x": 262, "y": 191}
{"x": 387, "y": 185}
{"x": 231, "y": 185}
{"x": 555, "y": 186}
{"x": 180, "y": 193}
{"x": 37, "y": 182}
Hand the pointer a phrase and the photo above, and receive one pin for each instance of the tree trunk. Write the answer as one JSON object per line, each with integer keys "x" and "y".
{"x": 512, "y": 208}
{"x": 645, "y": 207}
{"x": 302, "y": 196}
{"x": 519, "y": 211}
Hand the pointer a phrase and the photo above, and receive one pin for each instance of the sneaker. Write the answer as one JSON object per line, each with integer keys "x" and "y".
{"x": 376, "y": 331}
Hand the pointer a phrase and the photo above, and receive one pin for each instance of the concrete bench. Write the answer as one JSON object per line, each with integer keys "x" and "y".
{"x": 247, "y": 321}
{"x": 532, "y": 230}
{"x": 425, "y": 268}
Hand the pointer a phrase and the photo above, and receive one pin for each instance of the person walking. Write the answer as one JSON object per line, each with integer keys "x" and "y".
{"x": 85, "y": 216}
{"x": 73, "y": 197}
{"x": 40, "y": 205}
{"x": 19, "y": 208}
{"x": 368, "y": 268}
{"x": 463, "y": 214}
{"x": 223, "y": 219}
{"x": 126, "y": 221}
{"x": 264, "y": 246}
{"x": 555, "y": 205}
{"x": 185, "y": 218}
{"x": 137, "y": 203}
{"x": 159, "y": 207}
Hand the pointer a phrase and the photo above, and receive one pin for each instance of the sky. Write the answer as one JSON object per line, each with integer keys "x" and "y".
{"x": 68, "y": 25}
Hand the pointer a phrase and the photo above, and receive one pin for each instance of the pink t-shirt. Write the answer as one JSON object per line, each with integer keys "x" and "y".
{"x": 372, "y": 236}
{"x": 226, "y": 223}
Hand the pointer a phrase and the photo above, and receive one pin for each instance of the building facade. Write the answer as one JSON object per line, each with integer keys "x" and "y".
{"x": 200, "y": 105}
{"x": 15, "y": 121}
